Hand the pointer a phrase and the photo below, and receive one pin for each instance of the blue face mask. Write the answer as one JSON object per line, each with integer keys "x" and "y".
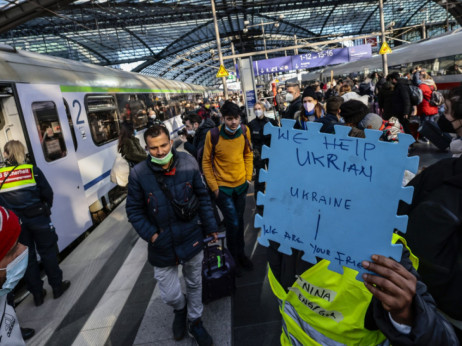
{"x": 231, "y": 131}
{"x": 14, "y": 272}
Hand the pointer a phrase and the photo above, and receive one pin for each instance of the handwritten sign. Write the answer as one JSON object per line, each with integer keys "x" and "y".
{"x": 333, "y": 196}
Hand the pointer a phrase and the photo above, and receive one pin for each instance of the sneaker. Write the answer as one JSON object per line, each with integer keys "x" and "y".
{"x": 39, "y": 298}
{"x": 58, "y": 292}
{"x": 179, "y": 323}
{"x": 245, "y": 262}
{"x": 199, "y": 334}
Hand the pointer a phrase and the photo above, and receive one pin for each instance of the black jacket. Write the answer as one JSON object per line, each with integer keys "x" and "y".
{"x": 256, "y": 130}
{"x": 293, "y": 108}
{"x": 434, "y": 231}
{"x": 402, "y": 98}
{"x": 201, "y": 133}
{"x": 150, "y": 212}
{"x": 328, "y": 123}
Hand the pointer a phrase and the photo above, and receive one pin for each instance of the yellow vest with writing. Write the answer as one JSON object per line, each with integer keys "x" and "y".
{"x": 21, "y": 177}
{"x": 326, "y": 308}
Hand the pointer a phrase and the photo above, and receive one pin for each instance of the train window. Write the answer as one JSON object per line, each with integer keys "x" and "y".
{"x": 71, "y": 124}
{"x": 456, "y": 67}
{"x": 102, "y": 117}
{"x": 49, "y": 130}
{"x": 134, "y": 108}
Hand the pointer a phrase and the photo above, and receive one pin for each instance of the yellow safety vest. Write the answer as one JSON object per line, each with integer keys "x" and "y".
{"x": 326, "y": 308}
{"x": 21, "y": 177}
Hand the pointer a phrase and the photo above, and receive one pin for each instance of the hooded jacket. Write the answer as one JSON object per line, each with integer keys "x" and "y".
{"x": 402, "y": 98}
{"x": 150, "y": 211}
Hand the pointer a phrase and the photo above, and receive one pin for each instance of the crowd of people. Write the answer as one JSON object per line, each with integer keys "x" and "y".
{"x": 173, "y": 195}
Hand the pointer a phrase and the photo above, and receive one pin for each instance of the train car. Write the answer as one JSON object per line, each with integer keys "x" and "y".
{"x": 442, "y": 56}
{"x": 68, "y": 113}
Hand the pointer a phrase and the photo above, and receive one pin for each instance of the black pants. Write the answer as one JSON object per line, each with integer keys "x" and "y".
{"x": 39, "y": 236}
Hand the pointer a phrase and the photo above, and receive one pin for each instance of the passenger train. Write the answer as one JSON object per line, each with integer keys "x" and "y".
{"x": 68, "y": 113}
{"x": 442, "y": 56}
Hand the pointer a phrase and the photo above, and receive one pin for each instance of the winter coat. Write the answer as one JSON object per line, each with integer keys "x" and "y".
{"x": 328, "y": 123}
{"x": 402, "y": 99}
{"x": 424, "y": 108}
{"x": 201, "y": 133}
{"x": 132, "y": 150}
{"x": 258, "y": 138}
{"x": 293, "y": 108}
{"x": 434, "y": 231}
{"x": 385, "y": 99}
{"x": 150, "y": 211}
{"x": 28, "y": 196}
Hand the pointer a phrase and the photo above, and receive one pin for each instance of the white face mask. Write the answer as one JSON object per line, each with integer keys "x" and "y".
{"x": 289, "y": 97}
{"x": 308, "y": 106}
{"x": 259, "y": 113}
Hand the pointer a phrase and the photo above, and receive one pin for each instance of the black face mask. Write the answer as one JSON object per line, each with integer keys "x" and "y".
{"x": 445, "y": 125}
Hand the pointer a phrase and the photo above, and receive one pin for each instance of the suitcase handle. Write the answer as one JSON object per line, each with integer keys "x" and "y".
{"x": 208, "y": 240}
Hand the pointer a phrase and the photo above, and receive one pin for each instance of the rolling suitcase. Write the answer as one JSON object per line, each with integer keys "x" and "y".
{"x": 433, "y": 133}
{"x": 217, "y": 271}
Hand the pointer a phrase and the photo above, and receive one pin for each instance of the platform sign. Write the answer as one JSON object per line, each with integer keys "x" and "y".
{"x": 275, "y": 65}
{"x": 323, "y": 58}
{"x": 385, "y": 49}
{"x": 363, "y": 51}
{"x": 250, "y": 98}
{"x": 350, "y": 211}
{"x": 222, "y": 72}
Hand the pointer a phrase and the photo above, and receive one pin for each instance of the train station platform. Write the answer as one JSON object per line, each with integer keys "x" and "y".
{"x": 114, "y": 299}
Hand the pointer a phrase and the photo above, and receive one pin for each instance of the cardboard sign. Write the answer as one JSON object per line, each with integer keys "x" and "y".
{"x": 333, "y": 196}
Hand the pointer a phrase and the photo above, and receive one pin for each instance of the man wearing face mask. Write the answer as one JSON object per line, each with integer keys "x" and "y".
{"x": 169, "y": 206}
{"x": 13, "y": 265}
{"x": 228, "y": 168}
{"x": 294, "y": 99}
{"x": 197, "y": 128}
{"x": 204, "y": 112}
{"x": 258, "y": 140}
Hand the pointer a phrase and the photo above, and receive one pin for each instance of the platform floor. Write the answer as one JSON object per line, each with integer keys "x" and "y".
{"x": 114, "y": 300}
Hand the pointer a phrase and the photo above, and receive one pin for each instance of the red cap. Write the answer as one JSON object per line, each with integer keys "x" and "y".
{"x": 9, "y": 231}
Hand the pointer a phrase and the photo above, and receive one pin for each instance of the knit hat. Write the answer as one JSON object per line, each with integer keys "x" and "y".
{"x": 309, "y": 92}
{"x": 353, "y": 111}
{"x": 9, "y": 231}
{"x": 371, "y": 121}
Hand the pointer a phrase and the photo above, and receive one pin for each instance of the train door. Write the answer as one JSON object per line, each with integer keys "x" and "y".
{"x": 54, "y": 151}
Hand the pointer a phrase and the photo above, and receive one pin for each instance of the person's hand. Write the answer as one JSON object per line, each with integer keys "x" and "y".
{"x": 395, "y": 287}
{"x": 154, "y": 237}
{"x": 405, "y": 116}
{"x": 215, "y": 236}
{"x": 216, "y": 192}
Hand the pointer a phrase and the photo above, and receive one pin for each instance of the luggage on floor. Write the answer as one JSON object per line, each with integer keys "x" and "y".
{"x": 217, "y": 271}
{"x": 433, "y": 133}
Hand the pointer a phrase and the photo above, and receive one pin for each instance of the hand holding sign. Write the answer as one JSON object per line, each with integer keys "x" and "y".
{"x": 333, "y": 196}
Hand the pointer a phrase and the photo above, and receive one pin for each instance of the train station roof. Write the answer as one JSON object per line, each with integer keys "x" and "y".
{"x": 175, "y": 39}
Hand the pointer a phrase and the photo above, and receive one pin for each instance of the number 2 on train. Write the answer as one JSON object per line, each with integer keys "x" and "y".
{"x": 78, "y": 121}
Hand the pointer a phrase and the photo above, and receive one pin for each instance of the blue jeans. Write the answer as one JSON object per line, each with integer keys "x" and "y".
{"x": 39, "y": 236}
{"x": 233, "y": 208}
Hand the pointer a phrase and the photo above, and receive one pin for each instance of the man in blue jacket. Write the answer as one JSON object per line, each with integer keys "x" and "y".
{"x": 159, "y": 188}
